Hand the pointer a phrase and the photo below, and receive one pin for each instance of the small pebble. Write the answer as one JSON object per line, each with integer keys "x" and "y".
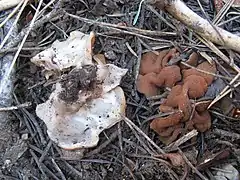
{"x": 7, "y": 164}
{"x": 24, "y": 136}
{"x": 111, "y": 55}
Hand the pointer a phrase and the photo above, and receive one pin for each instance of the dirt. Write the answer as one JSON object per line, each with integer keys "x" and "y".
{"x": 83, "y": 79}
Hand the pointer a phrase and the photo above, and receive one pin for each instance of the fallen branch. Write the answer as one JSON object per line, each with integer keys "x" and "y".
{"x": 202, "y": 27}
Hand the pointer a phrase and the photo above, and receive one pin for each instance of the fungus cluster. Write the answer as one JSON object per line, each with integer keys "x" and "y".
{"x": 87, "y": 99}
{"x": 186, "y": 85}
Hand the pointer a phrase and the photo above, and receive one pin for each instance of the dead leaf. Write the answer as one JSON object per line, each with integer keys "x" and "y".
{"x": 227, "y": 172}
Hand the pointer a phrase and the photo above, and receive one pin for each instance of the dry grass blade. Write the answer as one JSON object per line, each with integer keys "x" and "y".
{"x": 12, "y": 13}
{"x": 224, "y": 92}
{"x": 211, "y": 46}
{"x": 58, "y": 169}
{"x": 223, "y": 11}
{"x": 45, "y": 7}
{"x": 173, "y": 146}
{"x": 161, "y": 17}
{"x": 190, "y": 164}
{"x": 27, "y": 104}
{"x": 5, "y": 78}
{"x": 201, "y": 26}
{"x": 23, "y": 49}
{"x": 136, "y": 31}
{"x": 206, "y": 72}
{"x": 55, "y": 13}
{"x": 206, "y": 16}
{"x": 13, "y": 25}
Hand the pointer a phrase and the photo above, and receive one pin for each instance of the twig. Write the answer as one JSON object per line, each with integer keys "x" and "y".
{"x": 2, "y": 51}
{"x": 223, "y": 11}
{"x": 12, "y": 13}
{"x": 161, "y": 17}
{"x": 37, "y": 126}
{"x": 141, "y": 142}
{"x": 224, "y": 133}
{"x": 36, "y": 149}
{"x": 224, "y": 116}
{"x": 58, "y": 169}
{"x": 207, "y": 17}
{"x": 158, "y": 96}
{"x": 190, "y": 165}
{"x": 5, "y": 78}
{"x": 45, "y": 7}
{"x": 27, "y": 104}
{"x": 79, "y": 174}
{"x": 36, "y": 25}
{"x": 159, "y": 116}
{"x": 129, "y": 122}
{"x": 120, "y": 139}
{"x": 138, "y": 63}
{"x": 173, "y": 146}
{"x": 130, "y": 49}
{"x": 206, "y": 72}
{"x": 45, "y": 151}
{"x": 38, "y": 163}
{"x": 181, "y": 12}
{"x": 129, "y": 30}
{"x": 218, "y": 53}
{"x": 13, "y": 25}
{"x": 224, "y": 92}
{"x": 103, "y": 145}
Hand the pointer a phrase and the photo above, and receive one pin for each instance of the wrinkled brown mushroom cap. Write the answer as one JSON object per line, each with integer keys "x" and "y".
{"x": 149, "y": 63}
{"x": 192, "y": 61}
{"x": 171, "y": 54}
{"x": 205, "y": 66}
{"x": 164, "y": 122}
{"x": 170, "y": 134}
{"x": 202, "y": 105}
{"x": 202, "y": 121}
{"x": 174, "y": 96}
{"x": 152, "y": 75}
{"x": 195, "y": 86}
{"x": 177, "y": 99}
{"x": 147, "y": 84}
{"x": 168, "y": 76}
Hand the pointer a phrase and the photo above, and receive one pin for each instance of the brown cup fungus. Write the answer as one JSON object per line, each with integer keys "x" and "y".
{"x": 185, "y": 84}
{"x": 155, "y": 74}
